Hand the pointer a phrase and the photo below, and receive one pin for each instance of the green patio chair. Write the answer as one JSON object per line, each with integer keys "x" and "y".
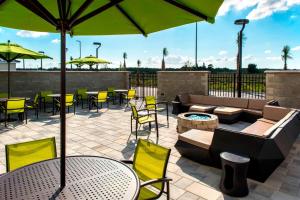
{"x": 81, "y": 96}
{"x": 111, "y": 94}
{"x": 131, "y": 94}
{"x": 34, "y": 105}
{"x": 14, "y": 106}
{"x": 150, "y": 162}
{"x": 143, "y": 116}
{"x": 22, "y": 154}
{"x": 44, "y": 99}
{"x": 70, "y": 101}
{"x": 100, "y": 98}
{"x": 153, "y": 105}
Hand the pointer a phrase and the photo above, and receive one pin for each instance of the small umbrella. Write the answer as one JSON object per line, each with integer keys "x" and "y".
{"x": 89, "y": 60}
{"x": 10, "y": 52}
{"x": 107, "y": 17}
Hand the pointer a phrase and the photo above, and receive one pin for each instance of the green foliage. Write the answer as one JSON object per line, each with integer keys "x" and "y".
{"x": 286, "y": 54}
{"x": 252, "y": 68}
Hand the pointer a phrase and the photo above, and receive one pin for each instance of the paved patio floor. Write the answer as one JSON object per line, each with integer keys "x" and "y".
{"x": 106, "y": 134}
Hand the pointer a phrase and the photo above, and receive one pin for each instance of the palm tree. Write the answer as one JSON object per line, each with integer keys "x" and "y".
{"x": 286, "y": 54}
{"x": 165, "y": 53}
{"x": 124, "y": 57}
{"x": 139, "y": 63}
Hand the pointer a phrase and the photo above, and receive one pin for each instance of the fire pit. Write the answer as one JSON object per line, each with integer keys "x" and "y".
{"x": 196, "y": 120}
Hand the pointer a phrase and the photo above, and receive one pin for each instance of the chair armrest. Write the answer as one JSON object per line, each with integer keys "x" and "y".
{"x": 150, "y": 182}
{"x": 127, "y": 161}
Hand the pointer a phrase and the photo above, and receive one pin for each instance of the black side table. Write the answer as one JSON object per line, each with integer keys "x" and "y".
{"x": 176, "y": 107}
{"x": 234, "y": 174}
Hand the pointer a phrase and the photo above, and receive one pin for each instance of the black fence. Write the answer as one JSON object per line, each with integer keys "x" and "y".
{"x": 145, "y": 84}
{"x": 225, "y": 85}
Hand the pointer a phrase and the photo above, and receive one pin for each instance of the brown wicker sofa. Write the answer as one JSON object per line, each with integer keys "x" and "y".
{"x": 266, "y": 142}
{"x": 229, "y": 110}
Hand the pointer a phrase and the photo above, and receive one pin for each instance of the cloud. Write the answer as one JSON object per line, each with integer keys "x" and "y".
{"x": 273, "y": 58}
{"x": 248, "y": 57}
{"x": 171, "y": 60}
{"x": 293, "y": 16}
{"x": 31, "y": 34}
{"x": 260, "y": 8}
{"x": 55, "y": 41}
{"x": 296, "y": 48}
{"x": 221, "y": 53}
{"x": 268, "y": 51}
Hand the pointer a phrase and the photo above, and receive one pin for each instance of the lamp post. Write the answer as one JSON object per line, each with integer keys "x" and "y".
{"x": 79, "y": 47}
{"x": 41, "y": 59}
{"x": 242, "y": 22}
{"x": 196, "y": 47}
{"x": 98, "y": 44}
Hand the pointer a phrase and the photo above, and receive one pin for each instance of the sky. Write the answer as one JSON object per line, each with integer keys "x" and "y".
{"x": 273, "y": 24}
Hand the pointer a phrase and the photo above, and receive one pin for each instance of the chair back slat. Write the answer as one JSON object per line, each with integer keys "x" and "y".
{"x": 102, "y": 95}
{"x": 131, "y": 94}
{"x": 150, "y": 161}
{"x": 150, "y": 102}
{"x": 22, "y": 154}
{"x": 14, "y": 105}
{"x": 69, "y": 98}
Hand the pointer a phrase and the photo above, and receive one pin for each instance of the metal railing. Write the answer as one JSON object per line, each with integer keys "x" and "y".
{"x": 225, "y": 85}
{"x": 145, "y": 84}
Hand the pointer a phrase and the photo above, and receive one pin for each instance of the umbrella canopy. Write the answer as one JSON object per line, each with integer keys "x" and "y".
{"x": 89, "y": 60}
{"x": 106, "y": 17}
{"x": 10, "y": 52}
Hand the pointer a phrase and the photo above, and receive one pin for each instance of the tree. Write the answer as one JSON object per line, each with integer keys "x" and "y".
{"x": 286, "y": 54}
{"x": 124, "y": 57}
{"x": 165, "y": 53}
{"x": 252, "y": 68}
{"x": 210, "y": 66}
{"x": 139, "y": 63}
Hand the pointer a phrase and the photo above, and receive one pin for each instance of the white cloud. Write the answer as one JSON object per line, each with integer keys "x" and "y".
{"x": 273, "y": 58}
{"x": 248, "y": 57}
{"x": 171, "y": 61}
{"x": 268, "y": 51}
{"x": 31, "y": 34}
{"x": 296, "y": 48}
{"x": 221, "y": 53}
{"x": 293, "y": 16}
{"x": 237, "y": 5}
{"x": 55, "y": 41}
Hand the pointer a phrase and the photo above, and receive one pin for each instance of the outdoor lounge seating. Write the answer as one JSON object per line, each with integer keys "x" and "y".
{"x": 229, "y": 110}
{"x": 266, "y": 142}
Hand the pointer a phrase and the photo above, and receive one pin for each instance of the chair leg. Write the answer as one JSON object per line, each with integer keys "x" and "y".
{"x": 97, "y": 107}
{"x": 156, "y": 124}
{"x": 167, "y": 115}
{"x": 25, "y": 116}
{"x": 136, "y": 129}
{"x": 168, "y": 190}
{"x": 150, "y": 127}
{"x": 5, "y": 119}
{"x": 74, "y": 108}
{"x": 37, "y": 113}
{"x": 68, "y": 109}
{"x": 82, "y": 103}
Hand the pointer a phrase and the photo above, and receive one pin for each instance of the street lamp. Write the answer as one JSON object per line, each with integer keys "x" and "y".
{"x": 98, "y": 44}
{"x": 79, "y": 47}
{"x": 196, "y": 50}
{"x": 41, "y": 52}
{"x": 242, "y": 22}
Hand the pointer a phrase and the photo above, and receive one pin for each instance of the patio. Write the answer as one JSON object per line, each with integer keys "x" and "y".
{"x": 106, "y": 133}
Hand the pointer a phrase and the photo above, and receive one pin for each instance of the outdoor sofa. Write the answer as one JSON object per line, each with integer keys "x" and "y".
{"x": 266, "y": 142}
{"x": 229, "y": 110}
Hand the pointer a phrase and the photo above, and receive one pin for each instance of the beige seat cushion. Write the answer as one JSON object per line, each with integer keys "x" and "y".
{"x": 201, "y": 108}
{"x": 227, "y": 110}
{"x": 259, "y": 128}
{"x": 267, "y": 121}
{"x": 254, "y": 112}
{"x": 198, "y": 138}
{"x": 257, "y": 104}
{"x": 275, "y": 113}
{"x": 235, "y": 102}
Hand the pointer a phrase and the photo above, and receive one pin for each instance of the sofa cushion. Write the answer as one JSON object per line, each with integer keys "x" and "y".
{"x": 227, "y": 110}
{"x": 253, "y": 112}
{"x": 259, "y": 128}
{"x": 275, "y": 113}
{"x": 257, "y": 104}
{"x": 199, "y": 138}
{"x": 184, "y": 98}
{"x": 235, "y": 102}
{"x": 202, "y": 108}
{"x": 206, "y": 100}
{"x": 267, "y": 121}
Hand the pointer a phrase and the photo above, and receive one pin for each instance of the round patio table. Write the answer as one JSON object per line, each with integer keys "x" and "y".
{"x": 87, "y": 177}
{"x": 120, "y": 91}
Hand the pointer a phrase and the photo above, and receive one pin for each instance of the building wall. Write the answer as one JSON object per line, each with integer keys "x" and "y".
{"x": 284, "y": 86}
{"x": 28, "y": 83}
{"x": 172, "y": 83}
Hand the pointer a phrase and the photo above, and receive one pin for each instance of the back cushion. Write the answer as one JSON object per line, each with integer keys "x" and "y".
{"x": 257, "y": 104}
{"x": 184, "y": 98}
{"x": 275, "y": 113}
{"x": 235, "y": 102}
{"x": 206, "y": 100}
{"x": 196, "y": 99}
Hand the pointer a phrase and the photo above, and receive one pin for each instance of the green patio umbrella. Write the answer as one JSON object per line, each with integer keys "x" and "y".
{"x": 89, "y": 60}
{"x": 106, "y": 17}
{"x": 10, "y": 52}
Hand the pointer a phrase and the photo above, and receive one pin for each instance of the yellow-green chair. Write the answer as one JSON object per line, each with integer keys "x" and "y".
{"x": 3, "y": 94}
{"x": 22, "y": 154}
{"x": 131, "y": 94}
{"x": 150, "y": 163}
{"x": 14, "y": 106}
{"x": 81, "y": 96}
{"x": 45, "y": 99}
{"x": 111, "y": 94}
{"x": 70, "y": 101}
{"x": 141, "y": 117}
{"x": 100, "y": 98}
{"x": 34, "y": 105}
{"x": 152, "y": 105}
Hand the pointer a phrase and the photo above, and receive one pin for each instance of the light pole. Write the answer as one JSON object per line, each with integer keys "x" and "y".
{"x": 41, "y": 52}
{"x": 79, "y": 47}
{"x": 242, "y": 22}
{"x": 196, "y": 50}
{"x": 98, "y": 44}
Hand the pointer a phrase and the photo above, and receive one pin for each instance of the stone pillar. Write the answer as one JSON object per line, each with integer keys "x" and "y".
{"x": 284, "y": 86}
{"x": 172, "y": 83}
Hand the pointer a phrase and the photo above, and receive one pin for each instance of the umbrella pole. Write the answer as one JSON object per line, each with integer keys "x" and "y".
{"x": 63, "y": 109}
{"x": 8, "y": 79}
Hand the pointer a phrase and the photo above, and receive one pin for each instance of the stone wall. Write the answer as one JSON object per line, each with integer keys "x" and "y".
{"x": 284, "y": 86}
{"x": 27, "y": 83}
{"x": 172, "y": 83}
